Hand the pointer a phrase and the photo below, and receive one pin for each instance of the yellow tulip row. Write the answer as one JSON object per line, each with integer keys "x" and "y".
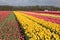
{"x": 55, "y": 16}
{"x": 34, "y": 30}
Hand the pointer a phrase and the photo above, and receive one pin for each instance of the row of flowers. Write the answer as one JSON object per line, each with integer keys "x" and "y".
{"x": 49, "y": 12}
{"x": 50, "y": 15}
{"x": 36, "y": 29}
{"x": 51, "y": 19}
{"x": 10, "y": 29}
{"x": 44, "y": 14}
{"x": 3, "y": 15}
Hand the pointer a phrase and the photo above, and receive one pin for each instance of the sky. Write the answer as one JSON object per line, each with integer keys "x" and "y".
{"x": 30, "y": 2}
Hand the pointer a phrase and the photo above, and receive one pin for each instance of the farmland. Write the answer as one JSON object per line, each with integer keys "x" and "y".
{"x": 24, "y": 25}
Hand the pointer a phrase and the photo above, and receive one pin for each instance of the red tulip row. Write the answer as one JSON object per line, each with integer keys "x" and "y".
{"x": 49, "y": 12}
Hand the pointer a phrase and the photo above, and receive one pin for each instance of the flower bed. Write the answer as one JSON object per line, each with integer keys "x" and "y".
{"x": 36, "y": 29}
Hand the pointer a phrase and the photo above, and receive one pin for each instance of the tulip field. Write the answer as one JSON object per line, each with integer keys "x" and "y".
{"x": 24, "y": 25}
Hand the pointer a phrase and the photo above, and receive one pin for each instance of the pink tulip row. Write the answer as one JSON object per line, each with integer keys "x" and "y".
{"x": 10, "y": 28}
{"x": 54, "y": 20}
{"x": 4, "y": 14}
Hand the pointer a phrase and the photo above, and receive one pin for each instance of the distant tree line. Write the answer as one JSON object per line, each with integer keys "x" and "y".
{"x": 28, "y": 8}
